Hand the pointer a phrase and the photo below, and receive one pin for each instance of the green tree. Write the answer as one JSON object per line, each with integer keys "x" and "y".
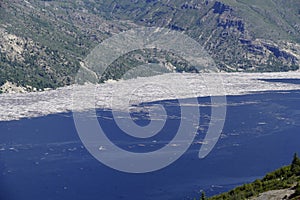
{"x": 295, "y": 167}
{"x": 203, "y": 196}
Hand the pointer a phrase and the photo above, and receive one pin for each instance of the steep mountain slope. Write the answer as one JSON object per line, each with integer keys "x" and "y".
{"x": 43, "y": 42}
{"x": 236, "y": 38}
{"x": 270, "y": 19}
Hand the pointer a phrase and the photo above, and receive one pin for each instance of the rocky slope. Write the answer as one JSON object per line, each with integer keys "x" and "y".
{"x": 43, "y": 43}
{"x": 275, "y": 195}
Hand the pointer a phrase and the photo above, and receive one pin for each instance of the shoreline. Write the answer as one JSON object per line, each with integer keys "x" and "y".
{"x": 119, "y": 95}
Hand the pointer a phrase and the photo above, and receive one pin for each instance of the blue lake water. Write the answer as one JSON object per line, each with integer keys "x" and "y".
{"x": 290, "y": 80}
{"x": 43, "y": 158}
